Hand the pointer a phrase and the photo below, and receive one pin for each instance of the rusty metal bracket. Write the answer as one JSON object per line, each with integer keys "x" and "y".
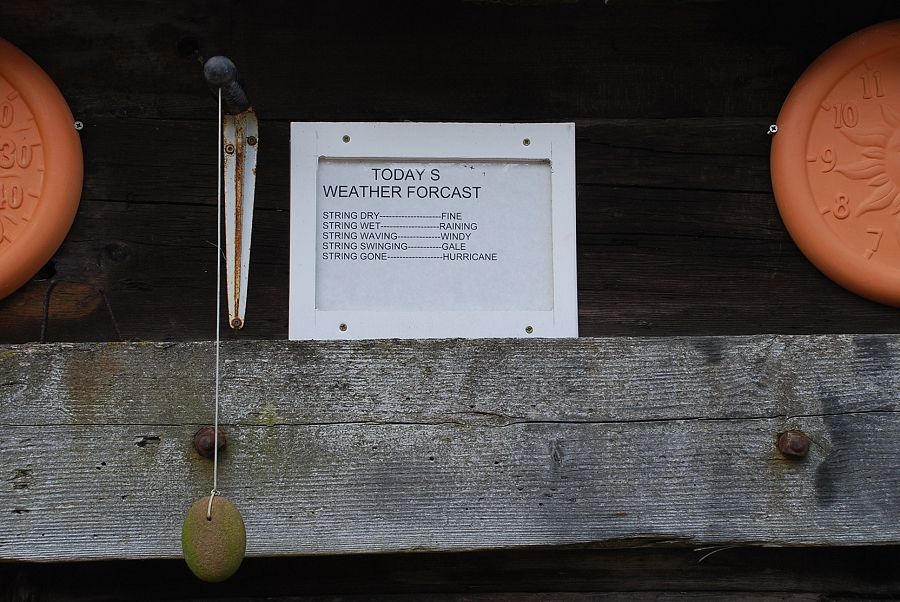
{"x": 240, "y": 135}
{"x": 240, "y": 141}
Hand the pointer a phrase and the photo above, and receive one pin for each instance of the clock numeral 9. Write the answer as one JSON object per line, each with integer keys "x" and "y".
{"x": 828, "y": 158}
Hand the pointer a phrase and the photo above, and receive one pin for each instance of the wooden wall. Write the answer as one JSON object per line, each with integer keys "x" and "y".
{"x": 678, "y": 232}
{"x": 677, "y": 227}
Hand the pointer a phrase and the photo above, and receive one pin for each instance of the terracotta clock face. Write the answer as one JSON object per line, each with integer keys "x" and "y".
{"x": 40, "y": 168}
{"x": 836, "y": 163}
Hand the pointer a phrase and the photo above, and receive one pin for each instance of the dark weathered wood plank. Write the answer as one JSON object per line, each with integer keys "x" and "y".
{"x": 453, "y": 61}
{"x": 694, "y": 573}
{"x": 453, "y": 445}
{"x": 507, "y": 596}
{"x": 649, "y": 256}
{"x": 723, "y": 265}
{"x": 678, "y": 230}
{"x": 170, "y": 161}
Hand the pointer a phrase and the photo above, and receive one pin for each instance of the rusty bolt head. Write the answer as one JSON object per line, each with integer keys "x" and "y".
{"x": 229, "y": 148}
{"x": 251, "y": 140}
{"x": 237, "y": 324}
{"x": 204, "y": 439}
{"x": 793, "y": 444}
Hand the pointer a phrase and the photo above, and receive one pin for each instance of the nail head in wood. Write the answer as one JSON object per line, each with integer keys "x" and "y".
{"x": 204, "y": 440}
{"x": 793, "y": 444}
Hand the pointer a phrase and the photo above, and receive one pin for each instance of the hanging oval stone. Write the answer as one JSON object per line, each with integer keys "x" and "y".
{"x": 213, "y": 549}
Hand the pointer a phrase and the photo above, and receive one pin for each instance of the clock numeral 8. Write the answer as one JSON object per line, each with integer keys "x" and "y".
{"x": 841, "y": 209}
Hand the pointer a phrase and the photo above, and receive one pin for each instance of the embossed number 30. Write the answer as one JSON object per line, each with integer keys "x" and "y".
{"x": 8, "y": 155}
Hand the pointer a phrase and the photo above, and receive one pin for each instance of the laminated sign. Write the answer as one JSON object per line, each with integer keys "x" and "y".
{"x": 432, "y": 230}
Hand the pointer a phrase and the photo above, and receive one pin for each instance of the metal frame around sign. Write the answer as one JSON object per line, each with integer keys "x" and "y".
{"x": 312, "y": 142}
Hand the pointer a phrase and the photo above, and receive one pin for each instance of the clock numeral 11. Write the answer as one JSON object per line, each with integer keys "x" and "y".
{"x": 871, "y": 84}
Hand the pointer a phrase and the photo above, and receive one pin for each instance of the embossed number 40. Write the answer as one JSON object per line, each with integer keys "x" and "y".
{"x": 11, "y": 196}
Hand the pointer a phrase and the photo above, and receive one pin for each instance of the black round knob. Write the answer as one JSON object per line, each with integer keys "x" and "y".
{"x": 219, "y": 71}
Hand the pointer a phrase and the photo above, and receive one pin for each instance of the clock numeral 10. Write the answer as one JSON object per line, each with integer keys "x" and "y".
{"x": 845, "y": 114}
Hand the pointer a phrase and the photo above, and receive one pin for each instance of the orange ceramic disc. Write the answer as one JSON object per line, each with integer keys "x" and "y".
{"x": 40, "y": 168}
{"x": 836, "y": 163}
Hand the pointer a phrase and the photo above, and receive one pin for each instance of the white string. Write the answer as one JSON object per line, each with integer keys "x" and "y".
{"x": 215, "y": 487}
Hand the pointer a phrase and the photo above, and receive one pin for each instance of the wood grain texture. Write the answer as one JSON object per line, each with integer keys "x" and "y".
{"x": 677, "y": 228}
{"x": 767, "y": 573}
{"x": 678, "y": 234}
{"x": 453, "y": 445}
{"x": 707, "y": 257}
{"x": 455, "y": 61}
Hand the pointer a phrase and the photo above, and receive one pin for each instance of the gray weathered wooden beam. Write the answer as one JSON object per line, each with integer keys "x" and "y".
{"x": 452, "y": 445}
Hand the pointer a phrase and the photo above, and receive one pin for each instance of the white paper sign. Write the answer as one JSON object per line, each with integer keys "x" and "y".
{"x": 432, "y": 230}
